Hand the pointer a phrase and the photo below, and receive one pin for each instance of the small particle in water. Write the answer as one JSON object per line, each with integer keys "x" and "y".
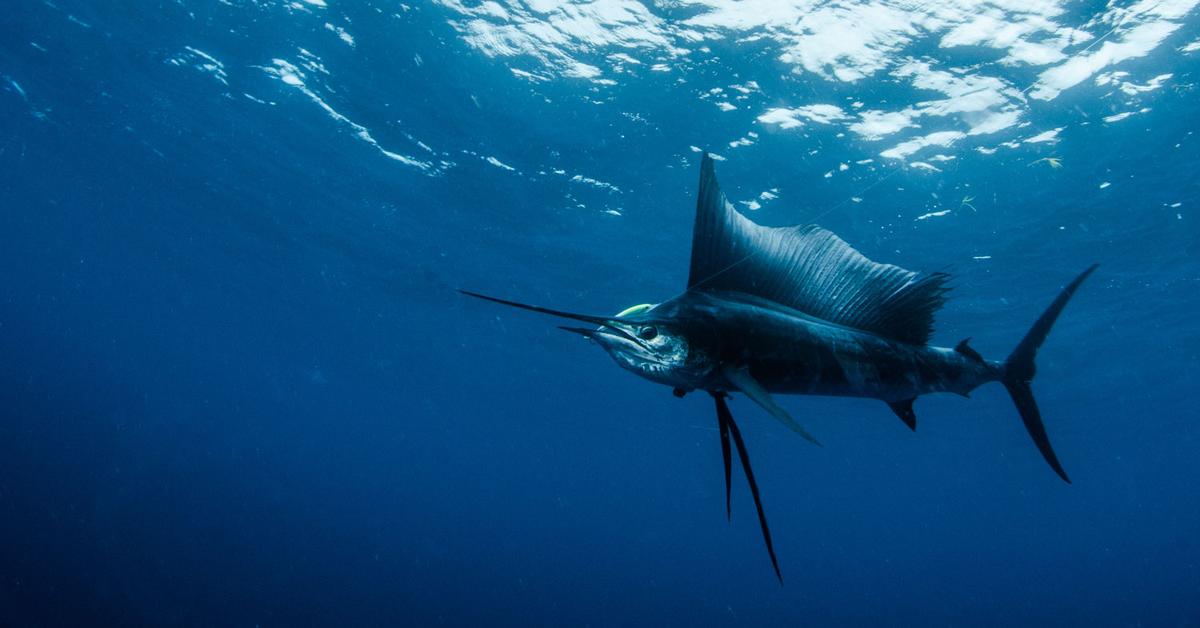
{"x": 933, "y": 214}
{"x": 17, "y": 87}
{"x": 982, "y": 257}
{"x": 1104, "y": 185}
{"x": 1175, "y": 205}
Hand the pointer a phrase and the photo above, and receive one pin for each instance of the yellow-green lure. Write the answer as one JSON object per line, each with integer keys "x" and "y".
{"x": 635, "y": 310}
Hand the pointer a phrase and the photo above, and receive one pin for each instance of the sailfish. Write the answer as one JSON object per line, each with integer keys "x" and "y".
{"x": 796, "y": 310}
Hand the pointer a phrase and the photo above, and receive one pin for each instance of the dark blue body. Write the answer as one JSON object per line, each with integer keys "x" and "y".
{"x": 788, "y": 352}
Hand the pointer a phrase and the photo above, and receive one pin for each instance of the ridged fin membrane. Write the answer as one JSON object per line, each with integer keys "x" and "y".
{"x": 808, "y": 269}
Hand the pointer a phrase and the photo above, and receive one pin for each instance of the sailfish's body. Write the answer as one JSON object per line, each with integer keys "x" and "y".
{"x": 796, "y": 310}
{"x": 789, "y": 352}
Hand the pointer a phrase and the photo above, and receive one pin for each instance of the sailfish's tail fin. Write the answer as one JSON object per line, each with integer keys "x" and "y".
{"x": 1019, "y": 370}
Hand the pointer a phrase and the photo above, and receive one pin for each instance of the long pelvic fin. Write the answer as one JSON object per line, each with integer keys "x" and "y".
{"x": 752, "y": 389}
{"x": 808, "y": 269}
{"x": 725, "y": 419}
{"x": 723, "y": 427}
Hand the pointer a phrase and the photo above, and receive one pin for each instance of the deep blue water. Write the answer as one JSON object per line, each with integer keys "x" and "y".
{"x": 238, "y": 386}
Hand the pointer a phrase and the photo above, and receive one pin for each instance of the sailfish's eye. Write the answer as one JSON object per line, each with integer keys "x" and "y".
{"x": 648, "y": 332}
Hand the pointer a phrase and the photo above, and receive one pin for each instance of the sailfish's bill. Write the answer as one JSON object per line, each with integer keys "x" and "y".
{"x": 587, "y": 318}
{"x": 608, "y": 324}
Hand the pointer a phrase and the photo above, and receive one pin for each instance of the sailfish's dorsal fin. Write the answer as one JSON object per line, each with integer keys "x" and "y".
{"x": 808, "y": 269}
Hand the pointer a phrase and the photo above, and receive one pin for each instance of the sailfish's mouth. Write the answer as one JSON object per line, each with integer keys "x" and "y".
{"x": 607, "y": 325}
{"x": 606, "y": 330}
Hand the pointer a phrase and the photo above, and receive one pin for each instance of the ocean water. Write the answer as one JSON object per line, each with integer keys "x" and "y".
{"x": 238, "y": 386}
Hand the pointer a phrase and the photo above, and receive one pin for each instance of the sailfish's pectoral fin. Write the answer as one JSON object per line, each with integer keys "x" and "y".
{"x": 752, "y": 389}
{"x": 730, "y": 428}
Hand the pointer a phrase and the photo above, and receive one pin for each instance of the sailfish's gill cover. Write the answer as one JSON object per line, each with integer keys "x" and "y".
{"x": 808, "y": 269}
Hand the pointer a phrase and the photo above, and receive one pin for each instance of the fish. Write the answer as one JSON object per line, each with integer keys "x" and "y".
{"x": 797, "y": 311}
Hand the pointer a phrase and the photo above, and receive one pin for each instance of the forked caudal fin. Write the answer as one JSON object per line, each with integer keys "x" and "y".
{"x": 1019, "y": 370}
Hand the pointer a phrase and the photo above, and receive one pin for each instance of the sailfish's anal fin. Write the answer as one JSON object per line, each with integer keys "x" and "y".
{"x": 904, "y": 410}
{"x": 752, "y": 389}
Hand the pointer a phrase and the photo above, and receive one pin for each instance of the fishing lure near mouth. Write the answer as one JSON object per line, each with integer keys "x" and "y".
{"x": 796, "y": 310}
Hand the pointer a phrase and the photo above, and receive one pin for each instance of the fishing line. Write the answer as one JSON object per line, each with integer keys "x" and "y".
{"x": 1120, "y": 22}
{"x": 723, "y": 270}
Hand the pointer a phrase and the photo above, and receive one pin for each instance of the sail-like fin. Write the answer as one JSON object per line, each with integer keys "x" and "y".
{"x": 723, "y": 426}
{"x": 808, "y": 269}
{"x": 752, "y": 389}
{"x": 904, "y": 410}
{"x": 725, "y": 417}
